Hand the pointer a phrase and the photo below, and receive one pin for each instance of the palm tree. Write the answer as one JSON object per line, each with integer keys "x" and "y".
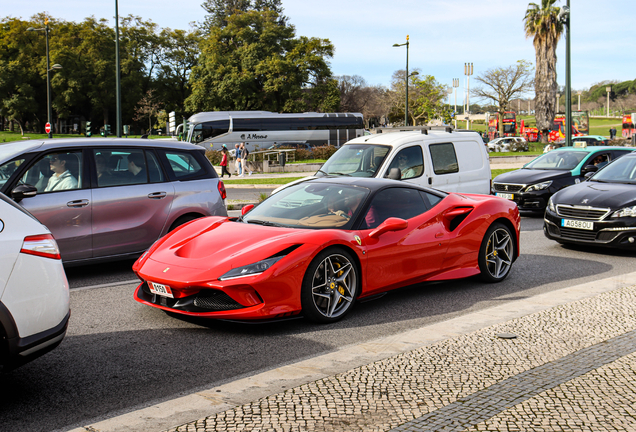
{"x": 542, "y": 23}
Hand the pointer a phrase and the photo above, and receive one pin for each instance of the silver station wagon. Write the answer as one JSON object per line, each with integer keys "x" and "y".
{"x": 109, "y": 199}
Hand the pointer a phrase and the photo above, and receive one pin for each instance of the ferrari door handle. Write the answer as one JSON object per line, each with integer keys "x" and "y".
{"x": 439, "y": 235}
{"x": 157, "y": 195}
{"x": 77, "y": 203}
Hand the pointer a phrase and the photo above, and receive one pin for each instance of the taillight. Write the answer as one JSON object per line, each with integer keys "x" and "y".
{"x": 41, "y": 245}
{"x": 221, "y": 187}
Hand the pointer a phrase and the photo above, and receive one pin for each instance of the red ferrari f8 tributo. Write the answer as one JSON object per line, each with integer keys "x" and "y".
{"x": 316, "y": 247}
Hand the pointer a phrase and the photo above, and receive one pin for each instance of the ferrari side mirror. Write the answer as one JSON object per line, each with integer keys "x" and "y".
{"x": 391, "y": 224}
{"x": 246, "y": 209}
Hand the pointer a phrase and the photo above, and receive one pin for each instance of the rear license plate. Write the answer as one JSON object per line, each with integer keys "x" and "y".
{"x": 506, "y": 195}
{"x": 569, "y": 223}
{"x": 162, "y": 290}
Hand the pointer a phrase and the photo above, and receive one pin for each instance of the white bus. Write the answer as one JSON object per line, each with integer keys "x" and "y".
{"x": 260, "y": 130}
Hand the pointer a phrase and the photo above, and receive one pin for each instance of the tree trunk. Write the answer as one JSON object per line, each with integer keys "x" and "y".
{"x": 545, "y": 86}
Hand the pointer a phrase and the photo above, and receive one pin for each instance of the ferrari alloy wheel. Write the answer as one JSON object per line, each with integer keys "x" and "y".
{"x": 496, "y": 253}
{"x": 330, "y": 286}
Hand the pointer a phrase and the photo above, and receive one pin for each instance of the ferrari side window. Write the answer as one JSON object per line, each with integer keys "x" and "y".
{"x": 403, "y": 203}
{"x": 430, "y": 199}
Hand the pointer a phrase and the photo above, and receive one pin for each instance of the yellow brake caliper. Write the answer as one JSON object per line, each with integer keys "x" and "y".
{"x": 341, "y": 290}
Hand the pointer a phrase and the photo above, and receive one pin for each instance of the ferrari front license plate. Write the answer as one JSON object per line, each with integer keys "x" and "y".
{"x": 506, "y": 195}
{"x": 162, "y": 290}
{"x": 569, "y": 223}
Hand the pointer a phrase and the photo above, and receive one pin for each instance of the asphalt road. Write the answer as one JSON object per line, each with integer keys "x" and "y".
{"x": 120, "y": 356}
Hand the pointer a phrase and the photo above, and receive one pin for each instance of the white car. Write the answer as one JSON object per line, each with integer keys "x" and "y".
{"x": 34, "y": 291}
{"x": 440, "y": 158}
{"x": 507, "y": 144}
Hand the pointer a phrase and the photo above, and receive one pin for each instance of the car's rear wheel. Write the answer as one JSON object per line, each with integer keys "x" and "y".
{"x": 183, "y": 219}
{"x": 330, "y": 286}
{"x": 496, "y": 253}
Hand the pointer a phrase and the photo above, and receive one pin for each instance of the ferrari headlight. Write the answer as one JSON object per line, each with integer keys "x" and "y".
{"x": 251, "y": 269}
{"x": 551, "y": 205}
{"x": 625, "y": 212}
{"x": 539, "y": 186}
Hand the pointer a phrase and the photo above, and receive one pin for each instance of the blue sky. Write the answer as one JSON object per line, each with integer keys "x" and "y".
{"x": 443, "y": 34}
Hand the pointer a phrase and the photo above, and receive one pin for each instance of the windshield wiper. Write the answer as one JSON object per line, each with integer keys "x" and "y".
{"x": 341, "y": 174}
{"x": 321, "y": 171}
{"x": 265, "y": 223}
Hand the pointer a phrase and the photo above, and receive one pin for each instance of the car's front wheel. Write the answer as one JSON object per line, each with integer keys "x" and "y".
{"x": 330, "y": 286}
{"x": 496, "y": 253}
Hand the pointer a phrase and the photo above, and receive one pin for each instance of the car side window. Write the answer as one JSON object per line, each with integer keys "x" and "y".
{"x": 430, "y": 200}
{"x": 409, "y": 161}
{"x": 444, "y": 158}
{"x": 119, "y": 167}
{"x": 403, "y": 203}
{"x": 55, "y": 172}
{"x": 155, "y": 174}
{"x": 7, "y": 169}
{"x": 183, "y": 164}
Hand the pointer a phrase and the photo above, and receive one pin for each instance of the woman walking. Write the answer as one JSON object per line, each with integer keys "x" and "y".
{"x": 224, "y": 162}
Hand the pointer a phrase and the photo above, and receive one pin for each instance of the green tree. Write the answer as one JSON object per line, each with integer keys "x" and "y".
{"x": 180, "y": 53}
{"x": 501, "y": 85}
{"x": 147, "y": 108}
{"x": 22, "y": 73}
{"x": 256, "y": 63}
{"x": 219, "y": 10}
{"x": 542, "y": 24}
{"x": 426, "y": 98}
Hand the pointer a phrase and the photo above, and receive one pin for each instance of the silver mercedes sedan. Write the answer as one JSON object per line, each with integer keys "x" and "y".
{"x": 109, "y": 199}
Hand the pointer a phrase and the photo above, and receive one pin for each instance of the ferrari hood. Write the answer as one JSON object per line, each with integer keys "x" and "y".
{"x": 530, "y": 176}
{"x": 597, "y": 194}
{"x": 223, "y": 245}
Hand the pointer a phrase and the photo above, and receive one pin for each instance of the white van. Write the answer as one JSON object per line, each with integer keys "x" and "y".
{"x": 452, "y": 161}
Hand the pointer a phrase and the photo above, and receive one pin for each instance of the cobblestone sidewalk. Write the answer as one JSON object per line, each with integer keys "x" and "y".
{"x": 569, "y": 368}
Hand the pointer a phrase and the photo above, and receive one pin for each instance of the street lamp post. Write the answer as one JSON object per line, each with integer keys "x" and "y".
{"x": 407, "y": 76}
{"x": 608, "y": 89}
{"x": 117, "y": 71}
{"x": 468, "y": 71}
{"x": 455, "y": 85}
{"x": 579, "y": 93}
{"x": 568, "y": 81}
{"x": 49, "y": 114}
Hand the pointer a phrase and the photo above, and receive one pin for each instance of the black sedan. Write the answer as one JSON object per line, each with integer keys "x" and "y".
{"x": 532, "y": 186}
{"x": 600, "y": 211}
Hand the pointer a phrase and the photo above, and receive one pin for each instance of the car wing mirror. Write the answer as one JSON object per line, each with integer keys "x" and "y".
{"x": 246, "y": 209}
{"x": 589, "y": 169}
{"x": 23, "y": 191}
{"x": 395, "y": 174}
{"x": 391, "y": 224}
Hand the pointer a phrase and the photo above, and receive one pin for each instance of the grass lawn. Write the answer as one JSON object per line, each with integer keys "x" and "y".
{"x": 275, "y": 180}
{"x": 496, "y": 172}
{"x": 7, "y": 136}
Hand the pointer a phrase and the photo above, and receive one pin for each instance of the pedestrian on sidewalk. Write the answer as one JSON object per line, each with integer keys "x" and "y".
{"x": 223, "y": 163}
{"x": 244, "y": 154}
{"x": 237, "y": 163}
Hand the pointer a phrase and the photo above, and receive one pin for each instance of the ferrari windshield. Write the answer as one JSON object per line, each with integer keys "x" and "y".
{"x": 558, "y": 160}
{"x": 356, "y": 160}
{"x": 311, "y": 205}
{"x": 623, "y": 170}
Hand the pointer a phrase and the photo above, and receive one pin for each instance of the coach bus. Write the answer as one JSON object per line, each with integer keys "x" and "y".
{"x": 263, "y": 129}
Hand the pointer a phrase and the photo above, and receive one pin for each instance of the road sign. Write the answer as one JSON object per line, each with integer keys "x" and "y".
{"x": 47, "y": 127}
